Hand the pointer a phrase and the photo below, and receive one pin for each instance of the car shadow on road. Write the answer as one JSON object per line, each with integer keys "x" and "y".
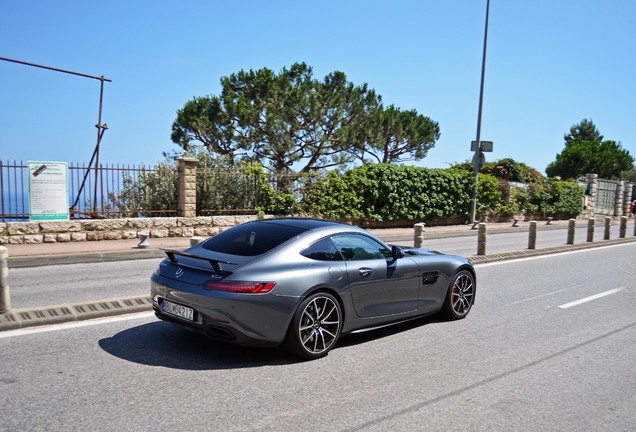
{"x": 370, "y": 335}
{"x": 165, "y": 345}
{"x": 162, "y": 344}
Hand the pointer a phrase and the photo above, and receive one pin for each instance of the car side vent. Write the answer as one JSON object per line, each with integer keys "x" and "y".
{"x": 429, "y": 278}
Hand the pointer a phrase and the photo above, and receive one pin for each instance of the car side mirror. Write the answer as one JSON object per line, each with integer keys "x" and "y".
{"x": 397, "y": 252}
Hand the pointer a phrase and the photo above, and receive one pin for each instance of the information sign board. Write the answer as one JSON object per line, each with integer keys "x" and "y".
{"x": 48, "y": 191}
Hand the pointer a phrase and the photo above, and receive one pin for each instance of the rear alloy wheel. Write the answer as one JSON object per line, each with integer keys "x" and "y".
{"x": 316, "y": 326}
{"x": 460, "y": 296}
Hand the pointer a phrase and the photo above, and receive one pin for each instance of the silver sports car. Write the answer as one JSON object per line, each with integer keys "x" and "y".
{"x": 303, "y": 283}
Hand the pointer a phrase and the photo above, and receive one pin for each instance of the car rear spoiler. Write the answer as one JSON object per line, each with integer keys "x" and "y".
{"x": 216, "y": 264}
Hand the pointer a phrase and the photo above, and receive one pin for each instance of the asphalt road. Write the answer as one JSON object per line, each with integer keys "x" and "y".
{"x": 59, "y": 284}
{"x": 548, "y": 346}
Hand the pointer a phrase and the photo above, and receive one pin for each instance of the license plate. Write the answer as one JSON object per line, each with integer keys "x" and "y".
{"x": 178, "y": 310}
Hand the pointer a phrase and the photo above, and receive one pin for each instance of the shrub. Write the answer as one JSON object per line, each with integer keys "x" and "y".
{"x": 384, "y": 192}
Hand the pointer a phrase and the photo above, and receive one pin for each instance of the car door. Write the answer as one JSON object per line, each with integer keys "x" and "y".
{"x": 380, "y": 284}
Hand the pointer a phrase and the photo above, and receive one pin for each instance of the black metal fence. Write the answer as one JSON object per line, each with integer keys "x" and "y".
{"x": 86, "y": 201}
{"x": 139, "y": 191}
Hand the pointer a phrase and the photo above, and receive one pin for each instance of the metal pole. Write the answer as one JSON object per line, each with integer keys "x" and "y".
{"x": 100, "y": 127}
{"x": 473, "y": 207}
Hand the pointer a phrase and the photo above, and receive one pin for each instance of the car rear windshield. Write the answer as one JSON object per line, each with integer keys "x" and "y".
{"x": 252, "y": 238}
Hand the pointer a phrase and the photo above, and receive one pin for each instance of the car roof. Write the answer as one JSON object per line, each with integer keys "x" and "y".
{"x": 303, "y": 223}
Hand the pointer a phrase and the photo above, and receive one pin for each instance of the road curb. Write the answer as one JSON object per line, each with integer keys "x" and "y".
{"x": 503, "y": 256}
{"x": 57, "y": 314}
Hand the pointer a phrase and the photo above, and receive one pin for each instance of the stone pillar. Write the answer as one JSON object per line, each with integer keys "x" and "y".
{"x": 628, "y": 198}
{"x": 187, "y": 187}
{"x": 618, "y": 202}
{"x": 591, "y": 191}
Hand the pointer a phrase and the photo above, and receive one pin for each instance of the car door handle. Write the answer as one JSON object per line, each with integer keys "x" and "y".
{"x": 365, "y": 271}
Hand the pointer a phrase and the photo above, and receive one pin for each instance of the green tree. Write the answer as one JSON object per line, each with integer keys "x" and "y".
{"x": 585, "y": 130}
{"x": 399, "y": 136}
{"x": 280, "y": 120}
{"x": 630, "y": 176}
{"x": 605, "y": 158}
{"x": 586, "y": 152}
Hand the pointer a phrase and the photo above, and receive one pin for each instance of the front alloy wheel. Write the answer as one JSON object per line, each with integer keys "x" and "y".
{"x": 460, "y": 296}
{"x": 316, "y": 326}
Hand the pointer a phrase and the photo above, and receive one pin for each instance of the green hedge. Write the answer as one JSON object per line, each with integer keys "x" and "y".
{"x": 370, "y": 194}
{"x": 384, "y": 193}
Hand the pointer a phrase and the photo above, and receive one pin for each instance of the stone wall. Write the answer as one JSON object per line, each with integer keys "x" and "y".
{"x": 115, "y": 229}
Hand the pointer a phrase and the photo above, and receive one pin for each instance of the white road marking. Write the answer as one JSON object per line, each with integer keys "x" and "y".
{"x": 536, "y": 297}
{"x": 74, "y": 324}
{"x": 590, "y": 298}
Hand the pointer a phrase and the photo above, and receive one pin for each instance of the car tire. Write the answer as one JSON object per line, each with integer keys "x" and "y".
{"x": 460, "y": 296}
{"x": 316, "y": 327}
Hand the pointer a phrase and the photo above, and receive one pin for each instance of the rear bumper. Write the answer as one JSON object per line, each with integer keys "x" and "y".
{"x": 242, "y": 319}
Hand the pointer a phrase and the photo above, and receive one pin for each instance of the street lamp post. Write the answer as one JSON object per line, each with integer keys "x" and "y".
{"x": 478, "y": 159}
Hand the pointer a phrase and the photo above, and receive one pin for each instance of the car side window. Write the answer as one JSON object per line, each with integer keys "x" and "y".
{"x": 356, "y": 247}
{"x": 322, "y": 250}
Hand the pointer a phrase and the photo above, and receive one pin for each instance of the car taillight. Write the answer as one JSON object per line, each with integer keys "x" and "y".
{"x": 241, "y": 287}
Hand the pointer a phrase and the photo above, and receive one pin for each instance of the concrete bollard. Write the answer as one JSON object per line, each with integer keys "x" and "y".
{"x": 196, "y": 240}
{"x": 418, "y": 236}
{"x": 482, "y": 232}
{"x": 532, "y": 235}
{"x": 5, "y": 293}
{"x": 571, "y": 229}
{"x": 623, "y": 228}
{"x": 590, "y": 230}
{"x": 515, "y": 223}
{"x": 549, "y": 222}
{"x": 143, "y": 240}
{"x": 608, "y": 222}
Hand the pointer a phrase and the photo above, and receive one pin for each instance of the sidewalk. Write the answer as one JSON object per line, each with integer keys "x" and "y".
{"x": 36, "y": 255}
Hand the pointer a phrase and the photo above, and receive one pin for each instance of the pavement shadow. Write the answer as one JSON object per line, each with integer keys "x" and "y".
{"x": 162, "y": 344}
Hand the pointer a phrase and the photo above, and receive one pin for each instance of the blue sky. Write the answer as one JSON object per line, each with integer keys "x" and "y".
{"x": 550, "y": 64}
